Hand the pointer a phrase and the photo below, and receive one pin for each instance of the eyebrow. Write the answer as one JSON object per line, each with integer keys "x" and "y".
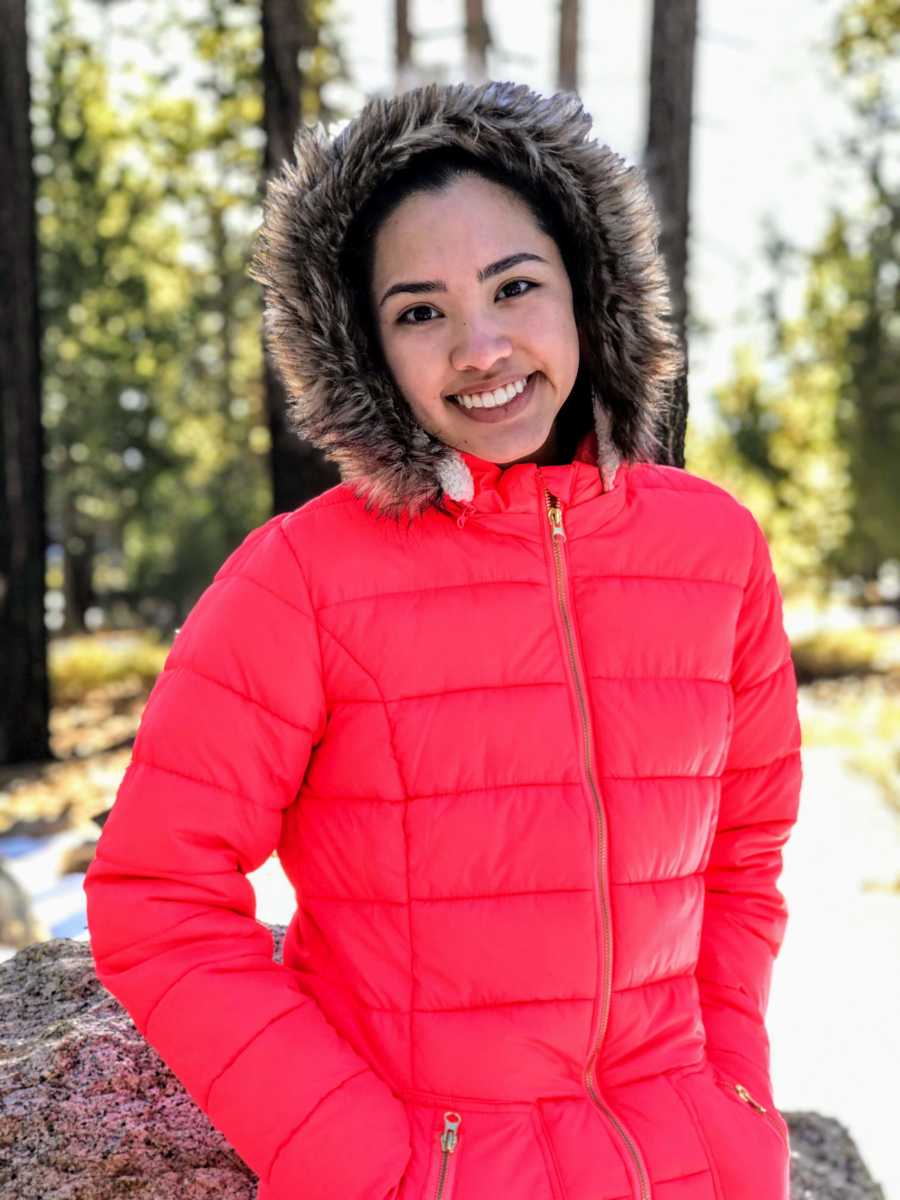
{"x": 438, "y": 285}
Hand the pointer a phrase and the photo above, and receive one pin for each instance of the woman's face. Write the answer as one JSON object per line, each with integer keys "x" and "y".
{"x": 445, "y": 330}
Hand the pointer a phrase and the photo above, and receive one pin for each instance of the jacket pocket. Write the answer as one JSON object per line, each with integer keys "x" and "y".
{"x": 554, "y": 1175}
{"x": 738, "y": 1092}
{"x": 747, "y": 1145}
{"x": 468, "y": 1149}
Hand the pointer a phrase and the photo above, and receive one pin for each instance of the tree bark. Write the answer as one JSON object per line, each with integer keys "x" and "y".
{"x": 24, "y": 694}
{"x": 478, "y": 39}
{"x": 78, "y": 568}
{"x": 567, "y": 67}
{"x": 405, "y": 75}
{"x": 299, "y": 471}
{"x": 667, "y": 164}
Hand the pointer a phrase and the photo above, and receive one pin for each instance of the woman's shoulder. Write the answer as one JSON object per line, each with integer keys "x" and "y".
{"x": 708, "y": 511}
{"x": 666, "y": 478}
{"x": 274, "y": 546}
{"x": 649, "y": 477}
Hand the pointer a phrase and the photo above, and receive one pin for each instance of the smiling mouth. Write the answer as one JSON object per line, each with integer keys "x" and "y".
{"x": 499, "y": 412}
{"x": 524, "y": 381}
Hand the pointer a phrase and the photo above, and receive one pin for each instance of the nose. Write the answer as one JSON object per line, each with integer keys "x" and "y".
{"x": 479, "y": 347}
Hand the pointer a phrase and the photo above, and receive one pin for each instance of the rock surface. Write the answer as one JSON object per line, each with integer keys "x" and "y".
{"x": 88, "y": 1110}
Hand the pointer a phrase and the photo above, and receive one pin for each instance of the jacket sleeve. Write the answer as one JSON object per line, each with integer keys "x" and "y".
{"x": 745, "y": 914}
{"x": 221, "y": 751}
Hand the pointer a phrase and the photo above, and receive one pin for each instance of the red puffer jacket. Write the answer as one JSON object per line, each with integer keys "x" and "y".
{"x": 530, "y": 773}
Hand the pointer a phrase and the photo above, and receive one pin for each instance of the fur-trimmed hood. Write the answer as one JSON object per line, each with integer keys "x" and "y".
{"x": 344, "y": 403}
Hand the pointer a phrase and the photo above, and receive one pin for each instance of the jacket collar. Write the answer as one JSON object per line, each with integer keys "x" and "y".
{"x": 475, "y": 485}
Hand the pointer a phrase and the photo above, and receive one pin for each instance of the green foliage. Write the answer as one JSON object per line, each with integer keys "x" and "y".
{"x": 156, "y": 430}
{"x": 104, "y": 338}
{"x": 813, "y": 444}
{"x": 81, "y": 664}
{"x": 866, "y": 40}
{"x": 777, "y": 450}
{"x": 830, "y": 654}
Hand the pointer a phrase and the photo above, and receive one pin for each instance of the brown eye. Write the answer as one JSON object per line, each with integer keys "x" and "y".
{"x": 401, "y": 320}
{"x": 529, "y": 285}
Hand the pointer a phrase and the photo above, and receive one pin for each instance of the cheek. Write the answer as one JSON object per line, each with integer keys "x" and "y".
{"x": 558, "y": 343}
{"x": 419, "y": 384}
{"x": 569, "y": 341}
{"x": 552, "y": 327}
{"x": 408, "y": 371}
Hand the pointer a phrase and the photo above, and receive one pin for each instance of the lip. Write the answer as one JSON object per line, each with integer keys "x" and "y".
{"x": 491, "y": 416}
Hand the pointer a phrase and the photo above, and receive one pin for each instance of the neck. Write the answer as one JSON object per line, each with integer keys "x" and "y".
{"x": 549, "y": 455}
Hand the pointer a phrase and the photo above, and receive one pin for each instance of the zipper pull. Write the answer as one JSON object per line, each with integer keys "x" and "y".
{"x": 745, "y": 1095}
{"x": 554, "y": 512}
{"x": 467, "y": 508}
{"x": 449, "y": 1137}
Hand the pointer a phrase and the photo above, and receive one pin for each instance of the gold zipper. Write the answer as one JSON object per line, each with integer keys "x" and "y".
{"x": 449, "y": 1140}
{"x": 760, "y": 1108}
{"x": 745, "y": 1095}
{"x": 555, "y": 516}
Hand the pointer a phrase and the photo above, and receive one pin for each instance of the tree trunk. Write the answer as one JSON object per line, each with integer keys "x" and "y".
{"x": 299, "y": 471}
{"x": 567, "y": 66}
{"x": 478, "y": 40}
{"x": 405, "y": 75}
{"x": 78, "y": 569}
{"x": 667, "y": 164}
{"x": 24, "y": 694}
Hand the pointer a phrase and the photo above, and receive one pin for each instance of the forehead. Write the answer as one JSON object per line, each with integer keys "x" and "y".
{"x": 471, "y": 216}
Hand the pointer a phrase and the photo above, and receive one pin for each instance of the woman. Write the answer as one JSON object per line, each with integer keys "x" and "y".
{"x": 528, "y": 749}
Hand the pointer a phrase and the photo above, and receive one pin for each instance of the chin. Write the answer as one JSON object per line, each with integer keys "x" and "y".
{"x": 513, "y": 457}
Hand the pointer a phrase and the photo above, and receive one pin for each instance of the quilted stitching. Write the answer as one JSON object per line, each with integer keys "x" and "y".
{"x": 391, "y": 751}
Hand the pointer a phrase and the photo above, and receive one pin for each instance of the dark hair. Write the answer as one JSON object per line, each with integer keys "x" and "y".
{"x": 433, "y": 171}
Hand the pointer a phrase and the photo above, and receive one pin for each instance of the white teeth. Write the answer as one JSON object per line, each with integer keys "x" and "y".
{"x": 497, "y": 398}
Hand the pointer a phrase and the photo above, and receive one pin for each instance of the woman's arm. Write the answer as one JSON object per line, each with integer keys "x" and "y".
{"x": 745, "y": 913}
{"x": 221, "y": 751}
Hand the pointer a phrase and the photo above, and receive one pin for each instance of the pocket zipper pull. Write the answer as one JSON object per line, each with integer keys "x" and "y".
{"x": 745, "y": 1095}
{"x": 449, "y": 1137}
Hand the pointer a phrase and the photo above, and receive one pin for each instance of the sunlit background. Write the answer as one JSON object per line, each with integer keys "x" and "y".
{"x": 148, "y": 140}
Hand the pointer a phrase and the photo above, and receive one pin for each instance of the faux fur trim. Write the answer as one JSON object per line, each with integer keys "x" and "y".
{"x": 455, "y": 478}
{"x": 347, "y": 407}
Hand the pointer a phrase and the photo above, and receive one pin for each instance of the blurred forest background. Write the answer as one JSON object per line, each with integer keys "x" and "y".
{"x": 140, "y": 413}
{"x": 141, "y": 418}
{"x": 142, "y": 433}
